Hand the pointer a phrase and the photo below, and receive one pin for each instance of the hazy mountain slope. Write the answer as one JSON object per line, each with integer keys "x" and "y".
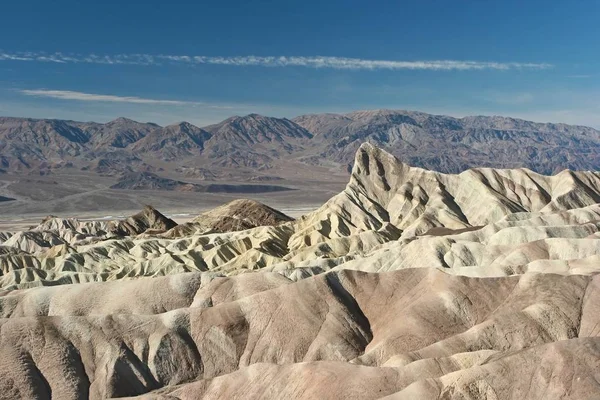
{"x": 173, "y": 141}
{"x": 254, "y": 129}
{"x": 119, "y": 133}
{"x": 254, "y": 140}
{"x": 46, "y": 144}
{"x": 27, "y": 142}
{"x": 116, "y": 163}
{"x": 449, "y": 144}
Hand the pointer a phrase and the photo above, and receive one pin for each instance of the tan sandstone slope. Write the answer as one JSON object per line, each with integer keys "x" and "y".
{"x": 409, "y": 284}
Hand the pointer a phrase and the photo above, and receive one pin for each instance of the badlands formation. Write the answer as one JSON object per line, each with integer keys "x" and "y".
{"x": 409, "y": 284}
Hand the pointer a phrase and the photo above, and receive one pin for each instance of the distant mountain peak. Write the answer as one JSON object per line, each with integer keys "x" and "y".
{"x": 258, "y": 118}
{"x": 121, "y": 120}
{"x": 186, "y": 124}
{"x": 174, "y": 141}
{"x": 254, "y": 127}
{"x": 128, "y": 121}
{"x": 182, "y": 126}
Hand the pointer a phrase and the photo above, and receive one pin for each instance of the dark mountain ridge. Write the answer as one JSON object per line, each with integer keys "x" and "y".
{"x": 448, "y": 144}
{"x": 256, "y": 142}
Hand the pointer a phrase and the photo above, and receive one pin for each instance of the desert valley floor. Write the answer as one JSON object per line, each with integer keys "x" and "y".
{"x": 407, "y": 284}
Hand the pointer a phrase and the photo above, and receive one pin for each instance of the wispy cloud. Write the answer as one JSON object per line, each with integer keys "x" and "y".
{"x": 351, "y": 63}
{"x": 80, "y": 96}
{"x": 275, "y": 61}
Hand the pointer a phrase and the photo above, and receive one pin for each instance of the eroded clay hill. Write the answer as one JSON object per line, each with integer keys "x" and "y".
{"x": 234, "y": 216}
{"x": 409, "y": 284}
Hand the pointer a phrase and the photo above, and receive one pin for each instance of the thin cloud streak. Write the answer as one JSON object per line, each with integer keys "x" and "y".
{"x": 351, "y": 63}
{"x": 80, "y": 96}
{"x": 317, "y": 62}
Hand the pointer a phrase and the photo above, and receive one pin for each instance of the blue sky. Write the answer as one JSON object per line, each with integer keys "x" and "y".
{"x": 204, "y": 61}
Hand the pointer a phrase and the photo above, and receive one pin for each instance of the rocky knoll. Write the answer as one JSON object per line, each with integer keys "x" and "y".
{"x": 234, "y": 216}
{"x": 142, "y": 222}
{"x": 409, "y": 284}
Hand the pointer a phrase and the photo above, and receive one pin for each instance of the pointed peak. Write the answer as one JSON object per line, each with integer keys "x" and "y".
{"x": 372, "y": 150}
{"x": 147, "y": 219}
{"x": 122, "y": 120}
{"x": 369, "y": 156}
{"x": 183, "y": 125}
{"x": 368, "y": 147}
{"x": 148, "y": 209}
{"x": 151, "y": 212}
{"x": 255, "y": 116}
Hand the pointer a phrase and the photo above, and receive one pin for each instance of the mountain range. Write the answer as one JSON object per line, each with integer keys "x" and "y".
{"x": 260, "y": 143}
